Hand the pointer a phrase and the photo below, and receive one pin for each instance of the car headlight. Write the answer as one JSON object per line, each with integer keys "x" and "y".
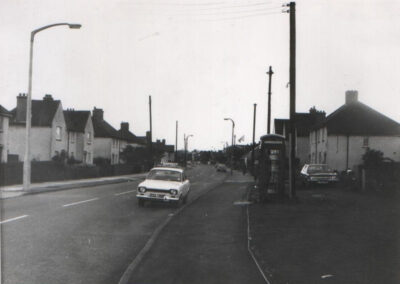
{"x": 174, "y": 192}
{"x": 142, "y": 189}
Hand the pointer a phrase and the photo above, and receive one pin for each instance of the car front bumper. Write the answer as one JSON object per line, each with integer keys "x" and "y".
{"x": 158, "y": 197}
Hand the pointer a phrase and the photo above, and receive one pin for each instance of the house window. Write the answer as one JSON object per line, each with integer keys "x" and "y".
{"x": 365, "y": 142}
{"x": 89, "y": 137}
{"x": 323, "y": 134}
{"x": 1, "y": 123}
{"x": 58, "y": 133}
{"x": 319, "y": 157}
{"x": 72, "y": 137}
{"x": 324, "y": 157}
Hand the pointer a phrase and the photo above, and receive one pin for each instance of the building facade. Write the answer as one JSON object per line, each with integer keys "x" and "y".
{"x": 48, "y": 132}
{"x": 4, "y": 126}
{"x": 106, "y": 138}
{"x": 79, "y": 135}
{"x": 344, "y": 136}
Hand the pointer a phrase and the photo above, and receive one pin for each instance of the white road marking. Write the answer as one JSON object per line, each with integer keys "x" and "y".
{"x": 125, "y": 192}
{"x": 80, "y": 202}
{"x": 13, "y": 219}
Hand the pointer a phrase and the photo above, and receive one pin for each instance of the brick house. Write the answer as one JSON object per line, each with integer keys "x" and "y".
{"x": 79, "y": 135}
{"x": 342, "y": 138}
{"x": 106, "y": 138}
{"x": 303, "y": 126}
{"x": 48, "y": 132}
{"x": 4, "y": 125}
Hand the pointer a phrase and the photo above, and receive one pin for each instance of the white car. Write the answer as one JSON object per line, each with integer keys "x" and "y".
{"x": 168, "y": 184}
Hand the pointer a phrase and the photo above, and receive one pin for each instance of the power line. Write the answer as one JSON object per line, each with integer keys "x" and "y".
{"x": 239, "y": 12}
{"x": 242, "y": 17}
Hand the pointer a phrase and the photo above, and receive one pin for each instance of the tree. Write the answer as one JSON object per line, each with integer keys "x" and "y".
{"x": 372, "y": 158}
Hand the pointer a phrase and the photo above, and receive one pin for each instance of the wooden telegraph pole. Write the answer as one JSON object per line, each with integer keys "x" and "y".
{"x": 269, "y": 99}
{"x": 292, "y": 80}
{"x": 151, "y": 135}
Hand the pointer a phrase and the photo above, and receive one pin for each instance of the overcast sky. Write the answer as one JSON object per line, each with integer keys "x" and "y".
{"x": 201, "y": 60}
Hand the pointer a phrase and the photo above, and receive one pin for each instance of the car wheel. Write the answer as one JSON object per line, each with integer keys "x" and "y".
{"x": 140, "y": 202}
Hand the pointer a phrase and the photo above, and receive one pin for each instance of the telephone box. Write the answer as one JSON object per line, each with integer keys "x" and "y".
{"x": 271, "y": 165}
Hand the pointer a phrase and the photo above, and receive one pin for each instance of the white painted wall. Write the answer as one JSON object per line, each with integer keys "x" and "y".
{"x": 4, "y": 138}
{"x": 40, "y": 142}
{"x": 58, "y": 121}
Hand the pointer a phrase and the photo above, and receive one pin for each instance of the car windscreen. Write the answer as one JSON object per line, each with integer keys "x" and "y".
{"x": 164, "y": 175}
{"x": 312, "y": 169}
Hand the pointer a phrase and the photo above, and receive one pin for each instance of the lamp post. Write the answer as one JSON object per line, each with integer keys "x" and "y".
{"x": 186, "y": 140}
{"x": 233, "y": 140}
{"x": 27, "y": 157}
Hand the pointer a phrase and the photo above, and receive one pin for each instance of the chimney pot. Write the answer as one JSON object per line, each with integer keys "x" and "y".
{"x": 98, "y": 114}
{"x": 21, "y": 107}
{"x": 351, "y": 96}
{"x": 125, "y": 126}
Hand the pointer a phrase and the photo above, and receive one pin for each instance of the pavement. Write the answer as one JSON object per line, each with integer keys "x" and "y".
{"x": 331, "y": 235}
{"x": 17, "y": 190}
{"x": 205, "y": 243}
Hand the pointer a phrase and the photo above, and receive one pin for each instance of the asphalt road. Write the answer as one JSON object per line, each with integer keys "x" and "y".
{"x": 83, "y": 235}
{"x": 206, "y": 243}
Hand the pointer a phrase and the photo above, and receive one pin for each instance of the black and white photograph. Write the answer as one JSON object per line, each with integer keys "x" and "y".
{"x": 199, "y": 142}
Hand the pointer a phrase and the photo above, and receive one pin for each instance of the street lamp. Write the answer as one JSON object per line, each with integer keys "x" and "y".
{"x": 186, "y": 140}
{"x": 27, "y": 157}
{"x": 233, "y": 141}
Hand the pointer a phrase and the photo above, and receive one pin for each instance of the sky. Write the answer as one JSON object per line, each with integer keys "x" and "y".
{"x": 201, "y": 60}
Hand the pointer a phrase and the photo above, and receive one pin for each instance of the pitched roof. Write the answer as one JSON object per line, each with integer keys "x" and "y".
{"x": 125, "y": 134}
{"x": 357, "y": 118}
{"x": 103, "y": 129}
{"x": 4, "y": 111}
{"x": 304, "y": 123}
{"x": 76, "y": 119}
{"x": 43, "y": 112}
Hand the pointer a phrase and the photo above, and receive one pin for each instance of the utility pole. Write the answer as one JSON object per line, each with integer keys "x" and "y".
{"x": 184, "y": 150}
{"x": 292, "y": 80}
{"x": 176, "y": 142}
{"x": 151, "y": 135}
{"x": 269, "y": 98}
{"x": 254, "y": 138}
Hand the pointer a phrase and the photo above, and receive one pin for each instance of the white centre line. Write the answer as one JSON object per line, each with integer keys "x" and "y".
{"x": 79, "y": 202}
{"x": 13, "y": 219}
{"x": 125, "y": 192}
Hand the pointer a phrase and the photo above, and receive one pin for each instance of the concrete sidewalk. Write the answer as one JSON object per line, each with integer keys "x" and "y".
{"x": 17, "y": 190}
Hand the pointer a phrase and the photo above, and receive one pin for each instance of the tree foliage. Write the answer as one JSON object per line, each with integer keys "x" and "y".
{"x": 372, "y": 158}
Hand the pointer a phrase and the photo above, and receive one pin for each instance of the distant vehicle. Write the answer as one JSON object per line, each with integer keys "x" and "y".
{"x": 166, "y": 184}
{"x": 221, "y": 168}
{"x": 318, "y": 174}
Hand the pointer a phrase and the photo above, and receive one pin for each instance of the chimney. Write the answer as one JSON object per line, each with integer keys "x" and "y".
{"x": 98, "y": 114}
{"x": 125, "y": 126}
{"x": 48, "y": 98}
{"x": 163, "y": 141}
{"x": 21, "y": 107}
{"x": 351, "y": 96}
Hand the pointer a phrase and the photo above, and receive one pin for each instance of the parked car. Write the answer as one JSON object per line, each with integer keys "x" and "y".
{"x": 318, "y": 174}
{"x": 166, "y": 184}
{"x": 221, "y": 168}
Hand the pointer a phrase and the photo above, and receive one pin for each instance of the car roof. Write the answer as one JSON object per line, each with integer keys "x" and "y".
{"x": 169, "y": 169}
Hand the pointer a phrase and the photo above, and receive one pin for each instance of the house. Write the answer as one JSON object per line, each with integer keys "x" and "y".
{"x": 303, "y": 126}
{"x": 48, "y": 132}
{"x": 106, "y": 138}
{"x": 128, "y": 138}
{"x": 342, "y": 138}
{"x": 4, "y": 124}
{"x": 79, "y": 135}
